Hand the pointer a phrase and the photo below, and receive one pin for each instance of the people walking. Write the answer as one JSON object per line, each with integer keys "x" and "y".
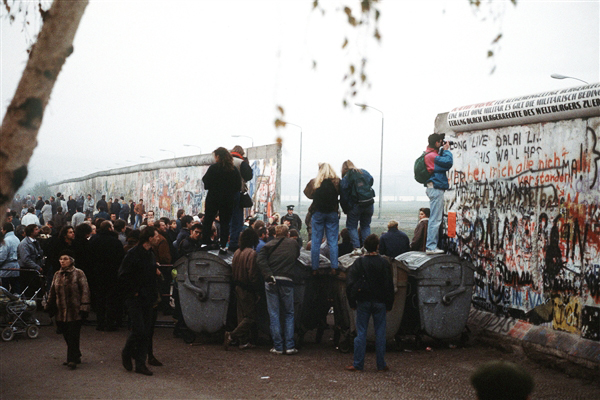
{"x": 139, "y": 210}
{"x": 137, "y": 278}
{"x": 47, "y": 212}
{"x": 69, "y": 301}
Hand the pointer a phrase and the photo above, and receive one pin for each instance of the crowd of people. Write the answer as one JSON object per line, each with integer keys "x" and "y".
{"x": 112, "y": 256}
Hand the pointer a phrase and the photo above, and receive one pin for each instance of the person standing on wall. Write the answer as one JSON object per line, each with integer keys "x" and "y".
{"x": 223, "y": 181}
{"x": 237, "y": 216}
{"x": 324, "y": 191}
{"x": 357, "y": 199}
{"x": 438, "y": 160}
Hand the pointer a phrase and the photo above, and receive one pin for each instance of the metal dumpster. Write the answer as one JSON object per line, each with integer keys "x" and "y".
{"x": 204, "y": 283}
{"x": 439, "y": 295}
{"x": 346, "y": 322}
{"x": 311, "y": 296}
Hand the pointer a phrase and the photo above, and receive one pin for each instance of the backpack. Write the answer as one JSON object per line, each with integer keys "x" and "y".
{"x": 421, "y": 173}
{"x": 361, "y": 190}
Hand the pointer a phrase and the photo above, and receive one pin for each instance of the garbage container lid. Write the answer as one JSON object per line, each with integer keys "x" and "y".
{"x": 416, "y": 259}
{"x": 305, "y": 258}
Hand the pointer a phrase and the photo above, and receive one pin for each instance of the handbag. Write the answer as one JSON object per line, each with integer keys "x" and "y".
{"x": 245, "y": 200}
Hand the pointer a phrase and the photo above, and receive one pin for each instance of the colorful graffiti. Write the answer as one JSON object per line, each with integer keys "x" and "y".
{"x": 166, "y": 190}
{"x": 527, "y": 206}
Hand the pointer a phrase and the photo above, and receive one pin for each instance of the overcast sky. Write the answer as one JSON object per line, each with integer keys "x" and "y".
{"x": 146, "y": 76}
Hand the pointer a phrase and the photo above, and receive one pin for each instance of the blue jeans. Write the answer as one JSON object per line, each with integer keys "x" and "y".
{"x": 329, "y": 224}
{"x": 236, "y": 225}
{"x": 364, "y": 310}
{"x": 363, "y": 214}
{"x": 436, "y": 211}
{"x": 280, "y": 300}
{"x": 138, "y": 221}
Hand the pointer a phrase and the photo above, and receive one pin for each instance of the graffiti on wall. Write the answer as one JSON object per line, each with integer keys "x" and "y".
{"x": 169, "y": 189}
{"x": 527, "y": 206}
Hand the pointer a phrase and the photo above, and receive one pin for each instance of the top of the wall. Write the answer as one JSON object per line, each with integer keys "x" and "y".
{"x": 202, "y": 159}
{"x": 570, "y": 103}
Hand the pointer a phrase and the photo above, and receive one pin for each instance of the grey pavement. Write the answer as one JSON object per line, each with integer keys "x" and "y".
{"x": 32, "y": 368}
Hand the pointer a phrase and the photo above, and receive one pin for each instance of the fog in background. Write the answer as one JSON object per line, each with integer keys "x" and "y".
{"x": 150, "y": 75}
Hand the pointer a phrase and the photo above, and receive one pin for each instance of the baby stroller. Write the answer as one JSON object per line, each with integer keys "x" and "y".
{"x": 16, "y": 315}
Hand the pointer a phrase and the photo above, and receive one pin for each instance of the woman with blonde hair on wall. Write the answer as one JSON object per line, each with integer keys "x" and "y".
{"x": 324, "y": 191}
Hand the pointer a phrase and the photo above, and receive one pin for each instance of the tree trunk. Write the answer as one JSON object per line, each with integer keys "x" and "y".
{"x": 23, "y": 118}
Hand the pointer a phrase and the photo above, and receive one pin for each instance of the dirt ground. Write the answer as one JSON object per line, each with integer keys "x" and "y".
{"x": 32, "y": 368}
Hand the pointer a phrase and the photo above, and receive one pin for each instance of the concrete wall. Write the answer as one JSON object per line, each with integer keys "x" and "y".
{"x": 168, "y": 185}
{"x": 523, "y": 205}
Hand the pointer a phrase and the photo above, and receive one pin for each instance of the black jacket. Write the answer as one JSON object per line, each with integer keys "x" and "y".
{"x": 72, "y": 206}
{"x": 188, "y": 246}
{"x": 282, "y": 261}
{"x": 393, "y": 243}
{"x": 378, "y": 274}
{"x": 325, "y": 197}
{"x": 221, "y": 184}
{"x": 124, "y": 213}
{"x": 115, "y": 208}
{"x": 106, "y": 253}
{"x": 137, "y": 275}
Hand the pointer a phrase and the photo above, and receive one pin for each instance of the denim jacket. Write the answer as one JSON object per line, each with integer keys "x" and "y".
{"x": 8, "y": 256}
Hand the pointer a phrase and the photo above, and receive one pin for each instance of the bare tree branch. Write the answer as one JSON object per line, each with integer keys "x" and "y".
{"x": 23, "y": 118}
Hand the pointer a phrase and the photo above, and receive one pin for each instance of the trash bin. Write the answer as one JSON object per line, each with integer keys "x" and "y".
{"x": 311, "y": 300}
{"x": 204, "y": 283}
{"x": 346, "y": 321}
{"x": 439, "y": 299}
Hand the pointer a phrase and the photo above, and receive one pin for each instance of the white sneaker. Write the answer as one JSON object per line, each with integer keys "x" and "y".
{"x": 290, "y": 352}
{"x": 275, "y": 351}
{"x": 435, "y": 251}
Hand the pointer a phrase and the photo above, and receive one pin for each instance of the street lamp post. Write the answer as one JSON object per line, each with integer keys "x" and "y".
{"x": 191, "y": 145}
{"x": 300, "y": 167}
{"x": 380, "y": 158}
{"x": 168, "y": 151}
{"x": 249, "y": 137}
{"x": 559, "y": 76}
